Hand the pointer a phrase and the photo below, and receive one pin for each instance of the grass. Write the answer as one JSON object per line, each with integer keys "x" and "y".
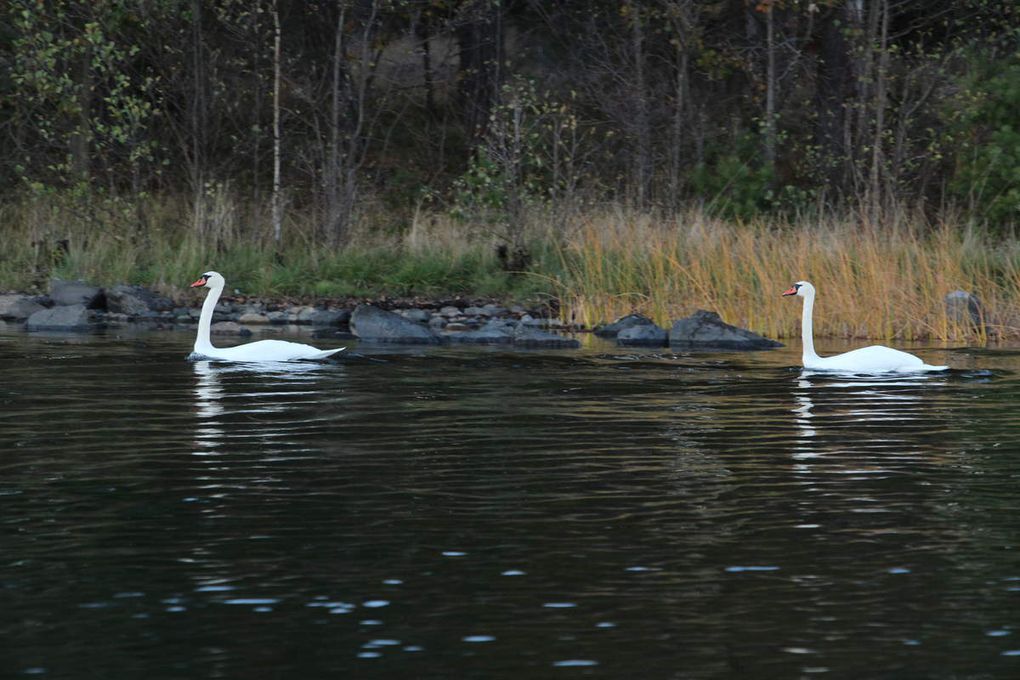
{"x": 884, "y": 282}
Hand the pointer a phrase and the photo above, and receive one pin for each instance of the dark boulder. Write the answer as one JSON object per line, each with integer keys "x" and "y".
{"x": 705, "y": 330}
{"x": 643, "y": 335}
{"x": 62, "y": 318}
{"x": 18, "y": 307}
{"x": 613, "y": 329}
{"x": 964, "y": 308}
{"x": 493, "y": 333}
{"x": 325, "y": 317}
{"x": 135, "y": 301}
{"x": 229, "y": 328}
{"x": 377, "y": 325}
{"x": 77, "y": 293}
{"x": 530, "y": 337}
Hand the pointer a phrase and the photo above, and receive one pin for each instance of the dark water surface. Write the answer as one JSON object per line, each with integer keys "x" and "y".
{"x": 493, "y": 514}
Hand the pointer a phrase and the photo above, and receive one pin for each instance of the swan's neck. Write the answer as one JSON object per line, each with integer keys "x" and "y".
{"x": 203, "y": 341}
{"x": 807, "y": 334}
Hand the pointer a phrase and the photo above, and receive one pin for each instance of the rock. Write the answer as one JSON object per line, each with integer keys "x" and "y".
{"x": 419, "y": 315}
{"x": 457, "y": 326}
{"x": 18, "y": 307}
{"x": 964, "y": 308}
{"x": 474, "y": 311}
{"x": 277, "y": 318}
{"x": 613, "y": 329}
{"x": 229, "y": 328}
{"x": 301, "y": 315}
{"x": 528, "y": 336}
{"x": 63, "y": 318}
{"x": 326, "y": 317}
{"x": 643, "y": 335}
{"x": 77, "y": 293}
{"x": 449, "y": 311}
{"x": 377, "y": 325}
{"x": 437, "y": 322}
{"x": 494, "y": 333}
{"x": 541, "y": 322}
{"x": 134, "y": 300}
{"x": 253, "y": 318}
{"x": 705, "y": 330}
{"x": 492, "y": 310}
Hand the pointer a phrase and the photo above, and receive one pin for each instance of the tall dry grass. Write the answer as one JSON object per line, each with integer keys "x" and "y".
{"x": 882, "y": 282}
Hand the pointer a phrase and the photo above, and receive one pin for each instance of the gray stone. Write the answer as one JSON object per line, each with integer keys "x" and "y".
{"x": 419, "y": 315}
{"x": 705, "y": 330}
{"x": 326, "y": 317}
{"x": 643, "y": 335}
{"x": 449, "y": 311}
{"x": 528, "y": 336}
{"x": 63, "y": 318}
{"x": 474, "y": 311}
{"x": 229, "y": 328}
{"x": 77, "y": 293}
{"x": 613, "y": 329}
{"x": 437, "y": 322}
{"x": 493, "y": 310}
{"x": 541, "y": 322}
{"x": 301, "y": 315}
{"x": 253, "y": 318}
{"x": 277, "y": 318}
{"x": 377, "y": 325}
{"x": 492, "y": 334}
{"x": 133, "y": 300}
{"x": 18, "y": 307}
{"x": 964, "y": 308}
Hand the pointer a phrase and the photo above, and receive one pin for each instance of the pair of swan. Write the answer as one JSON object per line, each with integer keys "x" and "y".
{"x": 874, "y": 359}
{"x": 260, "y": 351}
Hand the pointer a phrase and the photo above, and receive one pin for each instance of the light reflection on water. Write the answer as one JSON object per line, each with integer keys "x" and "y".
{"x": 485, "y": 513}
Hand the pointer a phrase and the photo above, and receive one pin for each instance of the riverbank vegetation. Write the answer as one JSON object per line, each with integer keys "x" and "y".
{"x": 653, "y": 156}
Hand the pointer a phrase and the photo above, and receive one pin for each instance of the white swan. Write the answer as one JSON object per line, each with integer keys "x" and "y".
{"x": 262, "y": 350}
{"x": 874, "y": 359}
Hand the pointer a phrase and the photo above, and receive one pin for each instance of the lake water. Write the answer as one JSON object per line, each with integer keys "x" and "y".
{"x": 485, "y": 513}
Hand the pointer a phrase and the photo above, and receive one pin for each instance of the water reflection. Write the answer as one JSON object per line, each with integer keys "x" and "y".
{"x": 209, "y": 404}
{"x": 473, "y": 511}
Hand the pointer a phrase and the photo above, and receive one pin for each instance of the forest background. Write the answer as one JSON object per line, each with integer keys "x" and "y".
{"x": 652, "y": 156}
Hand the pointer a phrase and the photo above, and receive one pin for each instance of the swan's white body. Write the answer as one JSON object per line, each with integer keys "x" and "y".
{"x": 260, "y": 351}
{"x": 874, "y": 359}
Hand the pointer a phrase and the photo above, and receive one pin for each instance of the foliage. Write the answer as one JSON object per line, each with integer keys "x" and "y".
{"x": 988, "y": 165}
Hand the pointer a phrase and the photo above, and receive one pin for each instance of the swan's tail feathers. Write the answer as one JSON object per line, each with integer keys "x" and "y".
{"x": 324, "y": 354}
{"x": 929, "y": 367}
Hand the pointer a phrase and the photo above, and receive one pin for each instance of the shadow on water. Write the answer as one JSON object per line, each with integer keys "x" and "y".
{"x": 486, "y": 513}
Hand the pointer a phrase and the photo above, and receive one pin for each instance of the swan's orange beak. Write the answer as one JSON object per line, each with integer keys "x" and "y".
{"x": 200, "y": 282}
{"x": 791, "y": 291}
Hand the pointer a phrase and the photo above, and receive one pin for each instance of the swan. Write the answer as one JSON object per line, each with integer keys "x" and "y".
{"x": 260, "y": 351}
{"x": 874, "y": 359}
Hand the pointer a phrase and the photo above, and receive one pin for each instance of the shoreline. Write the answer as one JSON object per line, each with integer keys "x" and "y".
{"x": 75, "y": 306}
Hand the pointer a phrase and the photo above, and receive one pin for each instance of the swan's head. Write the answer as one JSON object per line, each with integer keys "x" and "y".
{"x": 801, "y": 288}
{"x": 209, "y": 280}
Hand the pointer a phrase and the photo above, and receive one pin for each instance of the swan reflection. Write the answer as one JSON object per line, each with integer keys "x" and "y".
{"x": 256, "y": 389}
{"x": 209, "y": 404}
{"x": 856, "y": 411}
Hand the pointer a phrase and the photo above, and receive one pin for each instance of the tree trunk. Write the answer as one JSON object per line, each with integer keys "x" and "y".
{"x": 643, "y": 132}
{"x": 480, "y": 48}
{"x": 875, "y": 191}
{"x": 277, "y": 216}
{"x": 834, "y": 88}
{"x": 770, "y": 88}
